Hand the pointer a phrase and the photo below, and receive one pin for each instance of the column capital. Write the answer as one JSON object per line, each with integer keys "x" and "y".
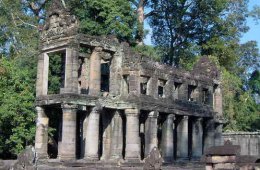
{"x": 98, "y": 49}
{"x": 39, "y": 109}
{"x": 117, "y": 113}
{"x": 186, "y": 117}
{"x": 96, "y": 109}
{"x": 171, "y": 116}
{"x": 199, "y": 119}
{"x": 132, "y": 112}
{"x": 40, "y": 112}
{"x": 66, "y": 106}
{"x": 153, "y": 114}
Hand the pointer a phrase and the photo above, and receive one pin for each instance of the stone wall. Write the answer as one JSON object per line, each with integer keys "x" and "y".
{"x": 249, "y": 141}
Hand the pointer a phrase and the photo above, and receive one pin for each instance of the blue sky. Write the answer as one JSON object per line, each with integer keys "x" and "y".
{"x": 252, "y": 34}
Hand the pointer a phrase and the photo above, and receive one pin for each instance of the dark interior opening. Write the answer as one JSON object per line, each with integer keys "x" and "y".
{"x": 143, "y": 87}
{"x": 142, "y": 119}
{"x": 105, "y": 72}
{"x": 126, "y": 83}
{"x": 190, "y": 92}
{"x": 55, "y": 131}
{"x": 176, "y": 90}
{"x": 160, "y": 91}
{"x": 56, "y": 77}
{"x": 205, "y": 96}
{"x": 176, "y": 123}
{"x": 190, "y": 121}
{"x": 162, "y": 125}
{"x": 81, "y": 115}
{"x": 124, "y": 134}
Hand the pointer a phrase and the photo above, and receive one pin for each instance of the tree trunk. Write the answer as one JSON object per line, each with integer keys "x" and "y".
{"x": 141, "y": 17}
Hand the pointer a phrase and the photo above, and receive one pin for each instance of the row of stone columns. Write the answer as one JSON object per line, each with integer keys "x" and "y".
{"x": 175, "y": 135}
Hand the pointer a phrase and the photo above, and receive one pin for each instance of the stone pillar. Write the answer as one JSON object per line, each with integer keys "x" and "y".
{"x": 116, "y": 73}
{"x": 92, "y": 135}
{"x": 218, "y": 134}
{"x": 197, "y": 138}
{"x": 151, "y": 128}
{"x": 167, "y": 143}
{"x": 133, "y": 148}
{"x": 41, "y": 137}
{"x": 183, "y": 91}
{"x": 134, "y": 82}
{"x": 117, "y": 136}
{"x": 209, "y": 134}
{"x": 95, "y": 72}
{"x": 71, "y": 71}
{"x": 42, "y": 75}
{"x": 168, "y": 89}
{"x": 217, "y": 104}
{"x": 84, "y": 78}
{"x": 182, "y": 138}
{"x": 152, "y": 87}
{"x": 68, "y": 141}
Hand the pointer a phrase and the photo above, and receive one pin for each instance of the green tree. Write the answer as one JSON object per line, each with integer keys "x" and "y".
{"x": 254, "y": 82}
{"x": 17, "y": 120}
{"x": 101, "y": 17}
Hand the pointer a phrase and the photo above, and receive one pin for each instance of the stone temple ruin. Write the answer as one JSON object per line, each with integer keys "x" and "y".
{"x": 116, "y": 105}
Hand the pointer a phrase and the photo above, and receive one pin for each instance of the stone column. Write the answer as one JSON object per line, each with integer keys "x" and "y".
{"x": 41, "y": 137}
{"x": 152, "y": 87}
{"x": 133, "y": 148}
{"x": 92, "y": 135}
{"x": 217, "y": 104}
{"x": 117, "y": 136}
{"x": 167, "y": 143}
{"x": 68, "y": 141}
{"x": 151, "y": 128}
{"x": 182, "y": 138}
{"x": 95, "y": 72}
{"x": 183, "y": 91}
{"x": 197, "y": 138}
{"x": 209, "y": 134}
{"x": 71, "y": 71}
{"x": 134, "y": 82}
{"x": 42, "y": 75}
{"x": 168, "y": 89}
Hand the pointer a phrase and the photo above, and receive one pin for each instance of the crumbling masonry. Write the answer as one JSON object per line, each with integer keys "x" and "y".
{"x": 114, "y": 104}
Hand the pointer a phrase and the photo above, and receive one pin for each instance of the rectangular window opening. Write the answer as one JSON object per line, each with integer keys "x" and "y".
{"x": 144, "y": 84}
{"x": 105, "y": 74}
{"x": 56, "y": 77}
{"x": 191, "y": 90}
{"x": 161, "y": 85}
{"x": 176, "y": 90}
{"x": 205, "y": 96}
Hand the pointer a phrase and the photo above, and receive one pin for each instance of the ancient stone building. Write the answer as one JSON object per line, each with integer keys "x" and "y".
{"x": 114, "y": 104}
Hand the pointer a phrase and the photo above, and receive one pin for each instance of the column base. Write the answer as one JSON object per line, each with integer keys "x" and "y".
{"x": 182, "y": 159}
{"x": 42, "y": 155}
{"x": 168, "y": 159}
{"x": 132, "y": 160}
{"x": 66, "y": 158}
{"x": 115, "y": 157}
{"x": 91, "y": 158}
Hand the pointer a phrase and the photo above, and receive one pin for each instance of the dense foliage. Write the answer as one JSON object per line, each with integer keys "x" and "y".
{"x": 183, "y": 31}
